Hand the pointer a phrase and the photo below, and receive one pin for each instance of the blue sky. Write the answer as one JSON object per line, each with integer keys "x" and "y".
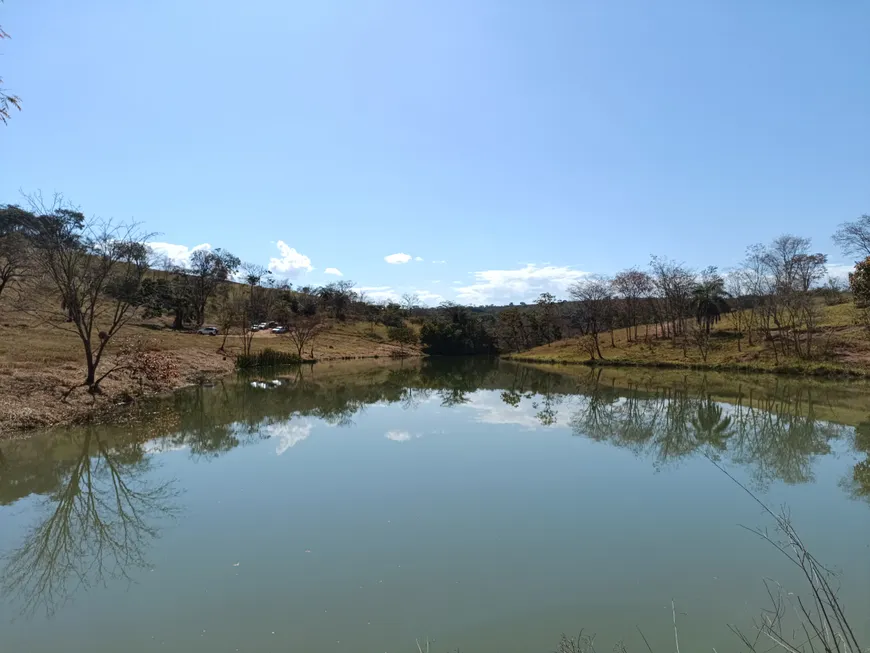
{"x": 521, "y": 143}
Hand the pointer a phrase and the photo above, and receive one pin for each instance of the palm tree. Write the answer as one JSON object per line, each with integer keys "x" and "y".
{"x": 710, "y": 426}
{"x": 709, "y": 299}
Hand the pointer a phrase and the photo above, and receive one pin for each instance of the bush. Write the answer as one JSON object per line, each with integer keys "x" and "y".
{"x": 266, "y": 358}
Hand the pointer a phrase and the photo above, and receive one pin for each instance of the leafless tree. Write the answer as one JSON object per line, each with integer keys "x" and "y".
{"x": 735, "y": 286}
{"x": 104, "y": 517}
{"x": 854, "y": 237}
{"x": 410, "y": 302}
{"x": 303, "y": 330}
{"x": 226, "y": 308}
{"x": 700, "y": 338}
{"x": 673, "y": 284}
{"x": 14, "y": 259}
{"x": 253, "y": 273}
{"x": 7, "y": 100}
{"x": 834, "y": 290}
{"x": 96, "y": 268}
{"x": 633, "y": 287}
{"x": 781, "y": 276}
{"x": 594, "y": 297}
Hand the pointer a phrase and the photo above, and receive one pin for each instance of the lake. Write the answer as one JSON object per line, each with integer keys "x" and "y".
{"x": 486, "y": 506}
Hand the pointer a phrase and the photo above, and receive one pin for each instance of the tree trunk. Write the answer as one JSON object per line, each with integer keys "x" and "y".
{"x": 597, "y": 347}
{"x": 92, "y": 368}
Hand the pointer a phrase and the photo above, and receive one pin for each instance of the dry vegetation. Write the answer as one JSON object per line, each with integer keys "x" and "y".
{"x": 40, "y": 363}
{"x": 841, "y": 341}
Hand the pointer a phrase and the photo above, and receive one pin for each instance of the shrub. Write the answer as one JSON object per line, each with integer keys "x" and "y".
{"x": 266, "y": 358}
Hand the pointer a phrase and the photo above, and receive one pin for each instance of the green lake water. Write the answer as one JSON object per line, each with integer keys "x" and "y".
{"x": 487, "y": 506}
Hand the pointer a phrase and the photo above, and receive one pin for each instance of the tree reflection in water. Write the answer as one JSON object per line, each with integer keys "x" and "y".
{"x": 777, "y": 435}
{"x": 100, "y": 522}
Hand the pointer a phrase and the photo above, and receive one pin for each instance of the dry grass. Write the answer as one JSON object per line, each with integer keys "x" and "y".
{"x": 844, "y": 348}
{"x": 39, "y": 362}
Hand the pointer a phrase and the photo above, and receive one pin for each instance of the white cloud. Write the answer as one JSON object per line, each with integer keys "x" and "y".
{"x": 524, "y": 284}
{"x": 334, "y": 271}
{"x": 840, "y": 270}
{"x": 291, "y": 263}
{"x": 380, "y": 293}
{"x": 397, "y": 259}
{"x": 428, "y": 297}
{"x": 418, "y": 258}
{"x": 399, "y": 436}
{"x": 288, "y": 434}
{"x": 439, "y": 262}
{"x": 176, "y": 254}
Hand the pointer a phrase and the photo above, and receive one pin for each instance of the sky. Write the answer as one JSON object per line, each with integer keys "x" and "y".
{"x": 477, "y": 151}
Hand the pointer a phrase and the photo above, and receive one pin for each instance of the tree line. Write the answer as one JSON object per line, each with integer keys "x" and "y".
{"x": 775, "y": 297}
{"x": 92, "y": 276}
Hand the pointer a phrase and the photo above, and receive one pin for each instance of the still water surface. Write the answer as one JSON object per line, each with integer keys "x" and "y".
{"x": 487, "y": 506}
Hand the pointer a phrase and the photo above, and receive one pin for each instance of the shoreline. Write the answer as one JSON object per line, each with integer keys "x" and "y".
{"x": 120, "y": 396}
{"x": 823, "y": 370}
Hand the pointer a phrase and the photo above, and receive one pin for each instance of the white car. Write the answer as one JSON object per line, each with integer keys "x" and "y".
{"x": 279, "y": 330}
{"x": 208, "y": 331}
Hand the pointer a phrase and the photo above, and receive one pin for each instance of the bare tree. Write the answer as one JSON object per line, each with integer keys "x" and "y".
{"x": 854, "y": 237}
{"x": 781, "y": 276}
{"x": 595, "y": 306}
{"x": 735, "y": 286}
{"x": 7, "y": 100}
{"x": 303, "y": 330}
{"x": 104, "y": 518}
{"x": 14, "y": 247}
{"x": 633, "y": 286}
{"x": 226, "y": 309}
{"x": 674, "y": 285}
{"x": 96, "y": 268}
{"x": 410, "y": 302}
{"x": 700, "y": 338}
{"x": 253, "y": 273}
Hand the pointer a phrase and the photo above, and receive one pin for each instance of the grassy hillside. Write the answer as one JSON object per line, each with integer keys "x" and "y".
{"x": 39, "y": 362}
{"x": 843, "y": 348}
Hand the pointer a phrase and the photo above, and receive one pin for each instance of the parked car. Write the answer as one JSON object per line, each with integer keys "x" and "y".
{"x": 208, "y": 331}
{"x": 269, "y": 325}
{"x": 279, "y": 330}
{"x": 256, "y": 327}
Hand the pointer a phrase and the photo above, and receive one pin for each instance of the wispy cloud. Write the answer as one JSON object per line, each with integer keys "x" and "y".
{"x": 289, "y": 434}
{"x": 290, "y": 263}
{"x": 418, "y": 258}
{"x": 523, "y": 284}
{"x": 334, "y": 271}
{"x": 397, "y": 259}
{"x": 439, "y": 262}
